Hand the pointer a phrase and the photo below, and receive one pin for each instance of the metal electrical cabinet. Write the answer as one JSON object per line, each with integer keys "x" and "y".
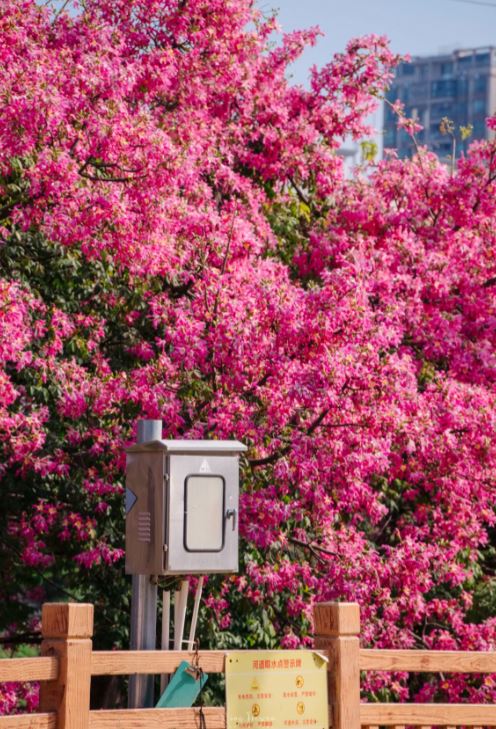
{"x": 182, "y": 507}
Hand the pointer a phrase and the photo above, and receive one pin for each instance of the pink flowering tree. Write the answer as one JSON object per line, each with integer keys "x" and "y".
{"x": 178, "y": 241}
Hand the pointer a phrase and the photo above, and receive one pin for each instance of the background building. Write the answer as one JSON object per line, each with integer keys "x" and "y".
{"x": 460, "y": 85}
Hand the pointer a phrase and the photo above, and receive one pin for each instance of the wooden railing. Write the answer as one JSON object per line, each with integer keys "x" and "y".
{"x": 338, "y": 628}
{"x": 68, "y": 662}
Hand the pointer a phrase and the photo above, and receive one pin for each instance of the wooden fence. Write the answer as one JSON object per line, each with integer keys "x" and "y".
{"x": 68, "y": 662}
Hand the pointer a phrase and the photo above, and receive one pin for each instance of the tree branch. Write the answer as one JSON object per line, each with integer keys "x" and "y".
{"x": 490, "y": 282}
{"x": 312, "y": 547}
{"x": 279, "y": 453}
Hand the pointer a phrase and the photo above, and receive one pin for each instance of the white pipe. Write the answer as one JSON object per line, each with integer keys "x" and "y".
{"x": 165, "y": 633}
{"x": 180, "y": 606}
{"x": 196, "y": 609}
{"x": 166, "y": 604}
{"x": 176, "y": 615}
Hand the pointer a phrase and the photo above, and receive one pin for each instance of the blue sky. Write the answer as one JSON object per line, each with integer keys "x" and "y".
{"x": 417, "y": 27}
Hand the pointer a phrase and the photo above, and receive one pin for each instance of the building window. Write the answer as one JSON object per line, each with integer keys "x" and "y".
{"x": 419, "y": 91}
{"x": 479, "y": 130}
{"x": 478, "y": 106}
{"x": 389, "y": 114}
{"x": 443, "y": 88}
{"x": 482, "y": 59}
{"x": 443, "y": 148}
{"x": 480, "y": 84}
{"x": 440, "y": 110}
{"x": 390, "y": 138}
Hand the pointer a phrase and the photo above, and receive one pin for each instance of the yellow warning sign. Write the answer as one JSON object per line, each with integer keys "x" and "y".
{"x": 276, "y": 690}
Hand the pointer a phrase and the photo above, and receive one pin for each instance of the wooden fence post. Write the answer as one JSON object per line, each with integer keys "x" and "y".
{"x": 67, "y": 629}
{"x": 337, "y": 627}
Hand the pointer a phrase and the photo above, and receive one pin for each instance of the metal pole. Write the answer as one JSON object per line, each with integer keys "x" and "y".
{"x": 166, "y": 602}
{"x": 143, "y": 603}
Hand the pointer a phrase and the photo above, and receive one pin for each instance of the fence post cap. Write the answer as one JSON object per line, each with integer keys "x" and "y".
{"x": 67, "y": 620}
{"x": 337, "y": 618}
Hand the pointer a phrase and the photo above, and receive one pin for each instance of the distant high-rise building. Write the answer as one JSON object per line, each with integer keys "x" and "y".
{"x": 459, "y": 85}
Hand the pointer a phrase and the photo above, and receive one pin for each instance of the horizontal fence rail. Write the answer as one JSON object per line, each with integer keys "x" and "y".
{"x": 120, "y": 663}
{"x": 424, "y": 715}
{"x": 28, "y": 669}
{"x": 428, "y": 661}
{"x": 68, "y": 662}
{"x": 215, "y": 718}
{"x": 29, "y": 721}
